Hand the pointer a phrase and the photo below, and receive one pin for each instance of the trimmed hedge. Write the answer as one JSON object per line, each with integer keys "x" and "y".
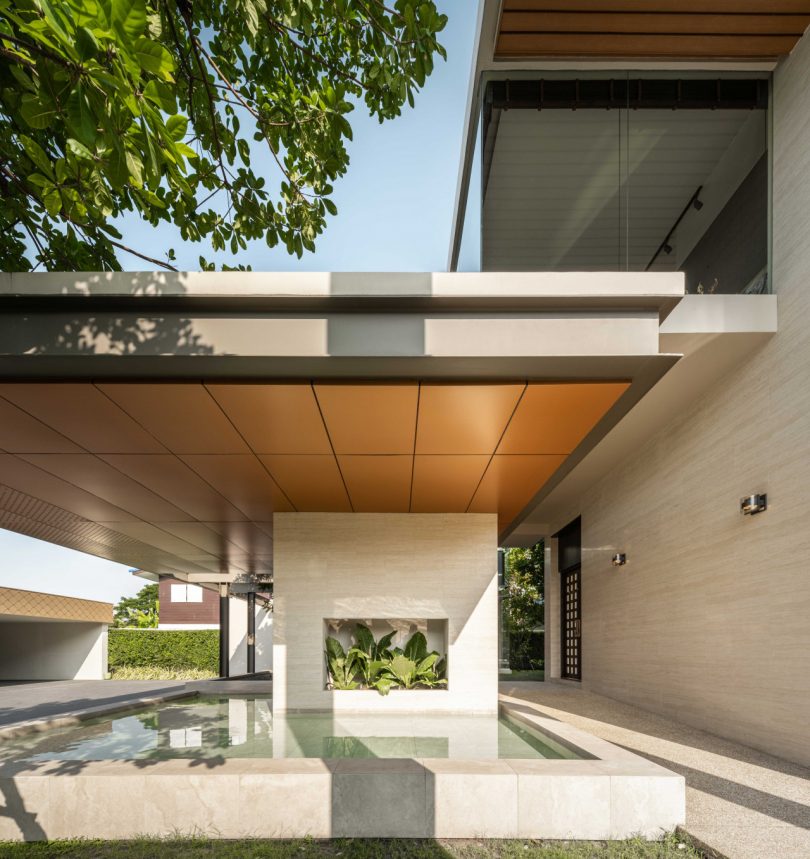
{"x": 167, "y": 648}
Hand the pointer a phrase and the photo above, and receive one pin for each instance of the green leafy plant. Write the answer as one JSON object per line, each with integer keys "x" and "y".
{"x": 342, "y": 667}
{"x": 372, "y": 664}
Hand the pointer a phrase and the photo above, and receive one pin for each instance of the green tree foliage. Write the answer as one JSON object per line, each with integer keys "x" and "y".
{"x": 140, "y": 611}
{"x": 523, "y": 600}
{"x": 158, "y": 107}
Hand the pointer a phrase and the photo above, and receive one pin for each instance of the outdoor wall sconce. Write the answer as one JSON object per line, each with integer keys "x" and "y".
{"x": 753, "y": 504}
{"x": 619, "y": 559}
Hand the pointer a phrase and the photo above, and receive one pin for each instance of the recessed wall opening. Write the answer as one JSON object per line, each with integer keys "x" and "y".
{"x": 629, "y": 172}
{"x": 394, "y": 634}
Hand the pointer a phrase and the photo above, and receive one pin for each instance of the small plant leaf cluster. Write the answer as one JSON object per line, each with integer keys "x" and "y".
{"x": 141, "y": 611}
{"x": 371, "y": 664}
{"x": 164, "y": 109}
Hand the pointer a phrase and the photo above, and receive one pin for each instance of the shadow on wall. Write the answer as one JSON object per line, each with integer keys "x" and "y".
{"x": 105, "y": 332}
{"x": 13, "y": 808}
{"x": 113, "y": 327}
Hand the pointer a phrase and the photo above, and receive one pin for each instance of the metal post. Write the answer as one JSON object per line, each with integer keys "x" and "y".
{"x": 251, "y": 632}
{"x": 224, "y": 631}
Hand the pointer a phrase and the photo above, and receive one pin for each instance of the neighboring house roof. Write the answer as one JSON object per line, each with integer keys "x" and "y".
{"x": 18, "y": 604}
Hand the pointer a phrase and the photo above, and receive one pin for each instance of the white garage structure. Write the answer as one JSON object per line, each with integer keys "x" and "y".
{"x": 52, "y": 637}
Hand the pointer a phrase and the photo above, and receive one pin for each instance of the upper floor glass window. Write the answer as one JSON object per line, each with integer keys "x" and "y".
{"x": 186, "y": 593}
{"x": 631, "y": 172}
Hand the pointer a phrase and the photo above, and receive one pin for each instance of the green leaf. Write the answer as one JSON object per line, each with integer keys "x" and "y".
{"x": 21, "y": 77}
{"x": 53, "y": 202}
{"x": 54, "y": 16}
{"x": 117, "y": 168}
{"x": 177, "y": 126}
{"x": 416, "y": 648}
{"x": 365, "y": 639}
{"x": 162, "y": 95}
{"x": 37, "y": 154}
{"x": 79, "y": 150}
{"x": 80, "y": 116}
{"x": 86, "y": 43}
{"x": 427, "y": 663}
{"x": 403, "y": 670}
{"x": 384, "y": 685}
{"x": 134, "y": 167}
{"x": 35, "y": 112}
{"x": 334, "y": 648}
{"x": 153, "y": 57}
{"x": 185, "y": 151}
{"x": 129, "y": 17}
{"x": 40, "y": 180}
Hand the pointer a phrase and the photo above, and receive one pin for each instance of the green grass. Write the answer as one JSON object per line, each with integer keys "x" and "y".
{"x": 198, "y": 848}
{"x": 157, "y": 672}
{"x": 523, "y": 675}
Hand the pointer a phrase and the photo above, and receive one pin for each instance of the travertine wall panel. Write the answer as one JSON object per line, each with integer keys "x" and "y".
{"x": 707, "y": 623}
{"x": 380, "y": 565}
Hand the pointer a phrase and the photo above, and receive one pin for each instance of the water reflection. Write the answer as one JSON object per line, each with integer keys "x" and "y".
{"x": 239, "y": 727}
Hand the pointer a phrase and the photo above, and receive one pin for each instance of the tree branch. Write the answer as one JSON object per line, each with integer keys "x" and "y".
{"x": 144, "y": 257}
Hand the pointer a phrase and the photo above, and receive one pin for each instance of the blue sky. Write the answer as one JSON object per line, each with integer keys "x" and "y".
{"x": 395, "y": 207}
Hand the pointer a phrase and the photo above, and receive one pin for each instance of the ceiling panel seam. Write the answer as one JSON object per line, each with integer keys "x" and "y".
{"x": 415, "y": 435}
{"x": 497, "y": 445}
{"x": 249, "y": 447}
{"x": 331, "y": 445}
{"x": 176, "y": 456}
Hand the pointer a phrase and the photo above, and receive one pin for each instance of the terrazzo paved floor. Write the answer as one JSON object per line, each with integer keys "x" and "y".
{"x": 740, "y": 803}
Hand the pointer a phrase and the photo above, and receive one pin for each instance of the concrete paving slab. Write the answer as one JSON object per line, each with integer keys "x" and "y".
{"x": 740, "y": 803}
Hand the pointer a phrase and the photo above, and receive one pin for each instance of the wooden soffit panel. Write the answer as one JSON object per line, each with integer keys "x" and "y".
{"x": 683, "y": 29}
{"x": 370, "y": 419}
{"x": 186, "y": 477}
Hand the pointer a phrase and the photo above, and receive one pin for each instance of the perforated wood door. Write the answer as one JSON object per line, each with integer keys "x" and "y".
{"x": 571, "y": 623}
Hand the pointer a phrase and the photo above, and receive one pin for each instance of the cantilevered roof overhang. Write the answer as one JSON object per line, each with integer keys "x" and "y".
{"x": 161, "y": 420}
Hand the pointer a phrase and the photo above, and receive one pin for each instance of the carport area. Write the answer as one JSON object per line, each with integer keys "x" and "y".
{"x": 51, "y": 637}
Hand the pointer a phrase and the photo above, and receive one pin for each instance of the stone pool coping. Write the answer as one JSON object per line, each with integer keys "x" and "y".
{"x": 616, "y": 794}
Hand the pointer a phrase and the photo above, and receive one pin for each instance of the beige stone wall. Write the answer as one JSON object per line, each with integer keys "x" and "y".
{"x": 385, "y": 565}
{"x": 708, "y": 622}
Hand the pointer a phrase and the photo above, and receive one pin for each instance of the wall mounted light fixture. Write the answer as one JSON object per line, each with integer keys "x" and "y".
{"x": 753, "y": 504}
{"x": 619, "y": 559}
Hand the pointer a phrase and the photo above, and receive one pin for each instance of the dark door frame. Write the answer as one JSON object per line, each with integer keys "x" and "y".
{"x": 569, "y": 565}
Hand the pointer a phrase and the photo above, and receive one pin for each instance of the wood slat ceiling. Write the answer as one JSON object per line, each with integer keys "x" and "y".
{"x": 185, "y": 478}
{"x": 686, "y": 29}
